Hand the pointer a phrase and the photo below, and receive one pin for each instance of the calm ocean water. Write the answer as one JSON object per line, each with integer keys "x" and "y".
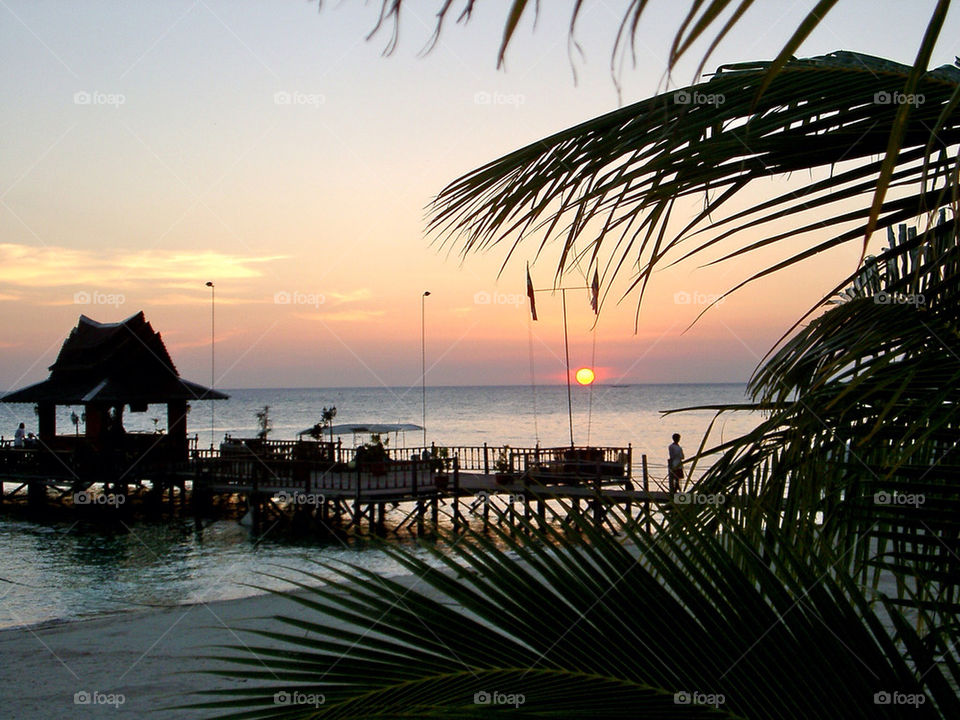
{"x": 64, "y": 571}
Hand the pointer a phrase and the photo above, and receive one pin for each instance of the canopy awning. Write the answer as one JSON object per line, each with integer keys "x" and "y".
{"x": 365, "y": 428}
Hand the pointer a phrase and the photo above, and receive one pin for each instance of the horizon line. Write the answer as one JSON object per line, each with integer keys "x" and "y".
{"x": 502, "y": 385}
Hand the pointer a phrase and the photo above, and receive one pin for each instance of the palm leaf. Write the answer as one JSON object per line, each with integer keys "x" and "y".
{"x": 862, "y": 409}
{"x": 625, "y": 170}
{"x": 587, "y": 626}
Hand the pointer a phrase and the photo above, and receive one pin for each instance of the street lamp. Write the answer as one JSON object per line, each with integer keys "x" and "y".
{"x": 423, "y": 365}
{"x": 213, "y": 293}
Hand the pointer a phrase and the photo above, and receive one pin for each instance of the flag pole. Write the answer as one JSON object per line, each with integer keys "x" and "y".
{"x": 594, "y": 303}
{"x": 566, "y": 349}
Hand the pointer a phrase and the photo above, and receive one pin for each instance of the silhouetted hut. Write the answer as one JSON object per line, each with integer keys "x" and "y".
{"x": 105, "y": 366}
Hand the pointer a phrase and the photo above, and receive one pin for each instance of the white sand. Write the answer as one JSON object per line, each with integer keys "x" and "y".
{"x": 150, "y": 658}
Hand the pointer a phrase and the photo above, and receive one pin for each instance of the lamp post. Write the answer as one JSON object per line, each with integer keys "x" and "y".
{"x": 213, "y": 294}
{"x": 423, "y": 365}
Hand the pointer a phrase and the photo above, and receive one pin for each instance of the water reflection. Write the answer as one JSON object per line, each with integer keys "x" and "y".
{"x": 68, "y": 571}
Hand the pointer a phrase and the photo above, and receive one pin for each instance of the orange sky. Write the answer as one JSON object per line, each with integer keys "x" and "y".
{"x": 271, "y": 150}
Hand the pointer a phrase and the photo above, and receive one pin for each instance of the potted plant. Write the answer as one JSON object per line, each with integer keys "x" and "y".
{"x": 440, "y": 463}
{"x": 318, "y": 452}
{"x": 373, "y": 455}
{"x": 264, "y": 425}
{"x": 502, "y": 466}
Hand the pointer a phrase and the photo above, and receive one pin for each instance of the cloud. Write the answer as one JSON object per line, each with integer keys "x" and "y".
{"x": 40, "y": 267}
{"x": 204, "y": 300}
{"x": 201, "y": 341}
{"x": 340, "y": 298}
{"x": 353, "y": 316}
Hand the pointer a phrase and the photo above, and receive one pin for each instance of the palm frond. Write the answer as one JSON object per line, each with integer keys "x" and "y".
{"x": 859, "y": 445}
{"x": 669, "y": 625}
{"x": 625, "y": 170}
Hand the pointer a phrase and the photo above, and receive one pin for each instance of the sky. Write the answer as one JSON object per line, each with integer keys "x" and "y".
{"x": 271, "y": 148}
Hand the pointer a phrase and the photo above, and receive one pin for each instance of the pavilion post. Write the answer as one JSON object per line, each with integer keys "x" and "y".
{"x": 177, "y": 429}
{"x": 47, "y": 421}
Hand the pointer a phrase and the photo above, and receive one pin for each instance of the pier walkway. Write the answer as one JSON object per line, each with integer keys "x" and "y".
{"x": 332, "y": 485}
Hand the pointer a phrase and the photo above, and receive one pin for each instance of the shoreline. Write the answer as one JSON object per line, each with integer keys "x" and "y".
{"x": 151, "y": 659}
{"x": 129, "y": 663}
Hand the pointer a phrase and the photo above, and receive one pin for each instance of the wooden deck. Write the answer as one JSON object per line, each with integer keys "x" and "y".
{"x": 325, "y": 482}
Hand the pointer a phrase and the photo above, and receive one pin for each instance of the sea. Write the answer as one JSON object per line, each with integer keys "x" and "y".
{"x": 59, "y": 570}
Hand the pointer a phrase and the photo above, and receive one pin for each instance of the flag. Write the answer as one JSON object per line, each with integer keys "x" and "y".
{"x": 595, "y": 293}
{"x": 533, "y": 304}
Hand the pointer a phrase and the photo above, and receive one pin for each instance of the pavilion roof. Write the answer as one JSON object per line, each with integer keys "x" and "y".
{"x": 114, "y": 364}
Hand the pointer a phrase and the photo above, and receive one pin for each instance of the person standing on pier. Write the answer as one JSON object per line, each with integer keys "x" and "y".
{"x": 19, "y": 435}
{"x": 675, "y": 464}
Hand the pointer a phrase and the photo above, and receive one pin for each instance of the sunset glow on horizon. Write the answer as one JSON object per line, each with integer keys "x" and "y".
{"x": 293, "y": 172}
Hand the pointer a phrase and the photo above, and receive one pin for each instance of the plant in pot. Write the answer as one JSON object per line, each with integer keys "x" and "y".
{"x": 316, "y": 432}
{"x": 440, "y": 464}
{"x": 326, "y": 421}
{"x": 264, "y": 426}
{"x": 372, "y": 455}
{"x": 502, "y": 466}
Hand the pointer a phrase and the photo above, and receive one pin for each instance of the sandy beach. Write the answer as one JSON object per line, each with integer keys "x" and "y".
{"x": 132, "y": 663}
{"x": 126, "y": 664}
{"x": 129, "y": 664}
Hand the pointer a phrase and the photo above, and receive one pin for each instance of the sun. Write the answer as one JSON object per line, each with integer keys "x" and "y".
{"x": 585, "y": 376}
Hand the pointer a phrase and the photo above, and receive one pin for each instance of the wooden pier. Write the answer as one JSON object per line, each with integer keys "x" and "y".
{"x": 107, "y": 472}
{"x": 322, "y": 486}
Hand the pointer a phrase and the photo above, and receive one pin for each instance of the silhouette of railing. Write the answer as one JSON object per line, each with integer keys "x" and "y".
{"x": 555, "y": 462}
{"x": 269, "y": 475}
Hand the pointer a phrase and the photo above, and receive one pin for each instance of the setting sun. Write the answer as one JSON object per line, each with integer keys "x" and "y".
{"x": 585, "y": 376}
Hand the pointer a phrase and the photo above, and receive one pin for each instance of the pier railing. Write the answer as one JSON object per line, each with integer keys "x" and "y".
{"x": 493, "y": 459}
{"x": 271, "y": 476}
{"x": 403, "y": 476}
{"x": 286, "y": 450}
{"x": 568, "y": 464}
{"x": 613, "y": 462}
{"x": 78, "y": 460}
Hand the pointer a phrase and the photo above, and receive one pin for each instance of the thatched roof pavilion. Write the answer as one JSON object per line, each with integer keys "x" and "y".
{"x": 112, "y": 365}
